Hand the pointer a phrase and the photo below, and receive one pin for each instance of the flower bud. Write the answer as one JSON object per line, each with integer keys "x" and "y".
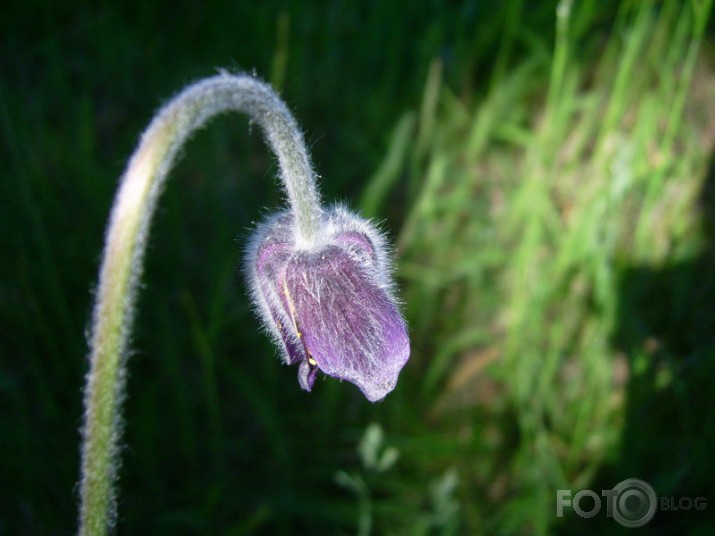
{"x": 330, "y": 305}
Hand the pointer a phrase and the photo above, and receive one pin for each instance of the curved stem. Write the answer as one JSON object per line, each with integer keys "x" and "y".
{"x": 124, "y": 250}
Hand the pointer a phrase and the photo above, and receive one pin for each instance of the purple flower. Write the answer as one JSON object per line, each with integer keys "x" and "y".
{"x": 331, "y": 304}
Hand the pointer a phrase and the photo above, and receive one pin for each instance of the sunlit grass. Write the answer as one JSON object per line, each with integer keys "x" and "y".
{"x": 529, "y": 207}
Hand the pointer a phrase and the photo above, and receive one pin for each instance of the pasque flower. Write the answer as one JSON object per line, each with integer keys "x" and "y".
{"x": 330, "y": 305}
{"x": 321, "y": 279}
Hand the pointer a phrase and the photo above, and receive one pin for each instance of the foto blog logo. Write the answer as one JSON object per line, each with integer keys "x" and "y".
{"x": 632, "y": 503}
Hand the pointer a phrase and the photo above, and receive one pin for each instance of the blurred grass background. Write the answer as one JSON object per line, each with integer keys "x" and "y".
{"x": 546, "y": 171}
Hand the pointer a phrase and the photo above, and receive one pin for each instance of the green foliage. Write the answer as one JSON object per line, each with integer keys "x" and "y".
{"x": 544, "y": 178}
{"x": 529, "y": 212}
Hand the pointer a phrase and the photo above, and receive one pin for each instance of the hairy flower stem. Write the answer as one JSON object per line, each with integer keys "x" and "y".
{"x": 125, "y": 244}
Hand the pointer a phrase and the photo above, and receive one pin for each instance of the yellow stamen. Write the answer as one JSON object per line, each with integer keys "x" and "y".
{"x": 291, "y": 307}
{"x": 291, "y": 310}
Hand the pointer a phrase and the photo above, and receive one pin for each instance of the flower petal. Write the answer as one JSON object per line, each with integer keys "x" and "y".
{"x": 349, "y": 325}
{"x": 307, "y": 372}
{"x": 270, "y": 265}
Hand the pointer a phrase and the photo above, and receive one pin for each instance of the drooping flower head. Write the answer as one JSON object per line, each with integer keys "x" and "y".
{"x": 320, "y": 279}
{"x": 330, "y": 305}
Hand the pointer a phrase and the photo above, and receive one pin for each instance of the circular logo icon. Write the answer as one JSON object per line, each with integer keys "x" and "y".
{"x": 635, "y": 503}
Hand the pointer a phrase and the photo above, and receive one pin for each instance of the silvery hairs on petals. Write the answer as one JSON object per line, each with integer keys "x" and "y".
{"x": 330, "y": 306}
